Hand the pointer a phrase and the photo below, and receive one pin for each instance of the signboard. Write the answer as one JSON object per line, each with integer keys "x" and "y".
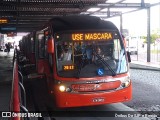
{"x": 3, "y": 21}
{"x": 68, "y": 67}
{"x": 86, "y": 36}
{"x": 8, "y": 28}
{"x": 92, "y": 36}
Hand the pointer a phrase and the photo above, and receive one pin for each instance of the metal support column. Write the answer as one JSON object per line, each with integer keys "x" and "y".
{"x": 121, "y": 23}
{"x": 18, "y": 12}
{"x": 148, "y": 36}
{"x": 142, "y": 3}
{"x": 108, "y": 13}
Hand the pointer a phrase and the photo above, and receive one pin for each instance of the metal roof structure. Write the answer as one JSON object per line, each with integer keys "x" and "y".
{"x": 28, "y": 15}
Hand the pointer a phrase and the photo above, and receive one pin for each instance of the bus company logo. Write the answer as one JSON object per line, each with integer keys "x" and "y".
{"x": 13, "y": 114}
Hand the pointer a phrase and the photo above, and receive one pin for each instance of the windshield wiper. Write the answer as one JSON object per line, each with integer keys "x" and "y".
{"x": 105, "y": 63}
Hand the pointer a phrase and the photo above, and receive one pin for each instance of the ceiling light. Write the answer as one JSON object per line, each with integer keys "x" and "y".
{"x": 112, "y": 1}
{"x": 93, "y": 9}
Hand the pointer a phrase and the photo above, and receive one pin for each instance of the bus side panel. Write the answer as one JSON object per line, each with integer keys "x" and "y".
{"x": 49, "y": 76}
{"x": 40, "y": 66}
{"x": 32, "y": 58}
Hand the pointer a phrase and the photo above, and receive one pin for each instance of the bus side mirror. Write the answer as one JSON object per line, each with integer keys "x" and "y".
{"x": 50, "y": 46}
{"x": 128, "y": 56}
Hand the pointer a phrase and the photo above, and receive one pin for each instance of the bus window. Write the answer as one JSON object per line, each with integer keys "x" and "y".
{"x": 46, "y": 36}
{"x": 64, "y": 54}
{"x": 119, "y": 55}
{"x": 32, "y": 45}
{"x": 117, "y": 48}
{"x": 47, "y": 55}
{"x": 50, "y": 56}
{"x": 41, "y": 46}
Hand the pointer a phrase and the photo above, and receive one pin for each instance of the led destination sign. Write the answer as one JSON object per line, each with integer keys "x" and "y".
{"x": 85, "y": 36}
{"x": 91, "y": 36}
{"x": 68, "y": 67}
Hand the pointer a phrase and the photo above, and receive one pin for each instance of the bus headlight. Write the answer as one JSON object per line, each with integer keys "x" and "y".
{"x": 62, "y": 88}
{"x": 125, "y": 82}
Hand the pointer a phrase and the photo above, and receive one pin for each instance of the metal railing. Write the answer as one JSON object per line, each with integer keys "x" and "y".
{"x": 18, "y": 94}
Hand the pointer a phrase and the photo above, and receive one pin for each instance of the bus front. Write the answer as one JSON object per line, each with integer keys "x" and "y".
{"x": 91, "y": 69}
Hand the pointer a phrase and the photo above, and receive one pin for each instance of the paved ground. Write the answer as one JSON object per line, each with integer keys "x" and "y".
{"x": 5, "y": 90}
{"x": 6, "y": 66}
{"x": 146, "y": 88}
{"x": 5, "y": 79}
{"x": 146, "y": 91}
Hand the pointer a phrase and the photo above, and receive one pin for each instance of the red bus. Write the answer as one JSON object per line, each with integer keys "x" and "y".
{"x": 84, "y": 61}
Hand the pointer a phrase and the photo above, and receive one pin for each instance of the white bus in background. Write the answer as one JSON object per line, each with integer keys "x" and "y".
{"x": 134, "y": 44}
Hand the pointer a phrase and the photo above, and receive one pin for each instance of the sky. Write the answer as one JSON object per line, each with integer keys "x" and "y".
{"x": 136, "y": 22}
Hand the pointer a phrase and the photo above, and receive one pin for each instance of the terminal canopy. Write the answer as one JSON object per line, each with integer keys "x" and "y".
{"x": 28, "y": 15}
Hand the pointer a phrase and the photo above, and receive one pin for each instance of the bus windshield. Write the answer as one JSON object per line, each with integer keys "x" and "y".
{"x": 90, "y": 58}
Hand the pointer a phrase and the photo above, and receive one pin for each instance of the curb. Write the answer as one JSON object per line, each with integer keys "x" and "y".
{"x": 143, "y": 67}
{"x": 151, "y": 69}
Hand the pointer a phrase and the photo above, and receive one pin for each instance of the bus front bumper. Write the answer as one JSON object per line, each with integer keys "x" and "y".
{"x": 66, "y": 99}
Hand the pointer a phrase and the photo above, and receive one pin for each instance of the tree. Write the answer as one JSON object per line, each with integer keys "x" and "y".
{"x": 154, "y": 37}
{"x": 155, "y": 34}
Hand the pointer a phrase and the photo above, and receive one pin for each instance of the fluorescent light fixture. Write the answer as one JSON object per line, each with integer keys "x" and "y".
{"x": 123, "y": 10}
{"x": 132, "y": 1}
{"x": 92, "y": 9}
{"x": 99, "y": 15}
{"x": 104, "y": 10}
{"x": 112, "y": 1}
{"x": 84, "y": 13}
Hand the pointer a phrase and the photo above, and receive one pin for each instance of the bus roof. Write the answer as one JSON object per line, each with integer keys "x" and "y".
{"x": 79, "y": 23}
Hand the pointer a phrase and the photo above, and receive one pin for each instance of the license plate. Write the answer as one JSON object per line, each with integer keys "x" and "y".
{"x": 98, "y": 100}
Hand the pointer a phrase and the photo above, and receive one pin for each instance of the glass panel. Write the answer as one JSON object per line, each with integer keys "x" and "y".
{"x": 85, "y": 58}
{"x": 32, "y": 45}
{"x": 41, "y": 45}
{"x": 46, "y": 37}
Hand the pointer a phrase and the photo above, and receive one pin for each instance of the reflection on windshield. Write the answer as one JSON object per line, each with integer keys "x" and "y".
{"x": 90, "y": 58}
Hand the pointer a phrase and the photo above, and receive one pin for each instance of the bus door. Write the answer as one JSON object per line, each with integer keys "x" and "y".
{"x": 49, "y": 59}
{"x": 39, "y": 51}
{"x": 32, "y": 49}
